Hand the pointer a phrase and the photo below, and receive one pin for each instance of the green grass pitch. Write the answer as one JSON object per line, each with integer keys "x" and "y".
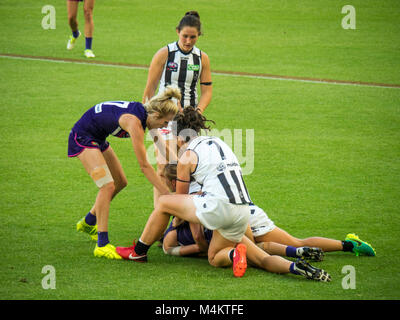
{"x": 326, "y": 156}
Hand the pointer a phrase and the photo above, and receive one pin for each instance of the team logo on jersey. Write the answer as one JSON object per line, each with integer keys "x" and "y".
{"x": 193, "y": 67}
{"x": 221, "y": 167}
{"x": 172, "y": 66}
{"x": 94, "y": 143}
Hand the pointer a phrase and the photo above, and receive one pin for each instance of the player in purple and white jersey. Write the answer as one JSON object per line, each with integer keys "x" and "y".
{"x": 87, "y": 142}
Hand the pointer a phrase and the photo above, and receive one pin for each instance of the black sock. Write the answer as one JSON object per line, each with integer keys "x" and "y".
{"x": 141, "y": 248}
{"x": 231, "y": 254}
{"x": 347, "y": 245}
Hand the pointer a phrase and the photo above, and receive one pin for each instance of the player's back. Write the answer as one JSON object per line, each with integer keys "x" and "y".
{"x": 218, "y": 170}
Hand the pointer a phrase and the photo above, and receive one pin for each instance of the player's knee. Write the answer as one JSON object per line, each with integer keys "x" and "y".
{"x": 102, "y": 177}
{"x": 88, "y": 13}
{"x": 121, "y": 184}
{"x": 109, "y": 188}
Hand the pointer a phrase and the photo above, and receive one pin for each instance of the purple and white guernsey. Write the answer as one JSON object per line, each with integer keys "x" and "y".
{"x": 99, "y": 122}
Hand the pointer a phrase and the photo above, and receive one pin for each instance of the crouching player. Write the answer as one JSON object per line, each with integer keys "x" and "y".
{"x": 87, "y": 142}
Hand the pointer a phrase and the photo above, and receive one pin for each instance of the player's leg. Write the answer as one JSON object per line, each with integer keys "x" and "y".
{"x": 277, "y": 264}
{"x": 117, "y": 173}
{"x": 223, "y": 253}
{"x": 281, "y": 236}
{"x": 88, "y": 8}
{"x": 96, "y": 166}
{"x": 180, "y": 205}
{"x": 72, "y": 11}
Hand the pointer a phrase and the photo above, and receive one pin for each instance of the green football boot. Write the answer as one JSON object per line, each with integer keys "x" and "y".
{"x": 359, "y": 246}
{"x": 82, "y": 226}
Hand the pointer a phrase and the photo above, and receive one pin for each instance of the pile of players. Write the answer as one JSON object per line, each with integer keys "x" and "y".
{"x": 198, "y": 180}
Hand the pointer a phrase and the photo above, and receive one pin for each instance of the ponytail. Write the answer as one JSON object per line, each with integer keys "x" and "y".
{"x": 163, "y": 103}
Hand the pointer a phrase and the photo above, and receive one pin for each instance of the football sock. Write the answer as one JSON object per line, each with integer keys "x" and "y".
{"x": 291, "y": 252}
{"x": 141, "y": 248}
{"x": 347, "y": 245}
{"x": 89, "y": 43}
{"x": 90, "y": 219}
{"x": 231, "y": 254}
{"x": 292, "y": 270}
{"x": 102, "y": 239}
{"x": 75, "y": 34}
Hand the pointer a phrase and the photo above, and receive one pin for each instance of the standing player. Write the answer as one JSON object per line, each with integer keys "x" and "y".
{"x": 87, "y": 141}
{"x": 72, "y": 8}
{"x": 222, "y": 207}
{"x": 182, "y": 64}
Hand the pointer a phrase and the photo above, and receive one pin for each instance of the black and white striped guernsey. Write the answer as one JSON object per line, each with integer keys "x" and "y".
{"x": 218, "y": 170}
{"x": 182, "y": 70}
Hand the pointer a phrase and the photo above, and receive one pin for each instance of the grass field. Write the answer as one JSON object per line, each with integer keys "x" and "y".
{"x": 326, "y": 156}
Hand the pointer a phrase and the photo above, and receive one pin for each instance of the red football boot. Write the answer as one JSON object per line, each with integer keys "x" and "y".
{"x": 239, "y": 260}
{"x": 128, "y": 253}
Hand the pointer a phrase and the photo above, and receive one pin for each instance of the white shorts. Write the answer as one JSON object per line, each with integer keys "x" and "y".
{"x": 259, "y": 222}
{"x": 216, "y": 213}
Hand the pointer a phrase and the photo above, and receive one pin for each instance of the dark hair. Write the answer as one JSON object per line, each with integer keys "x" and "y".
{"x": 191, "y": 19}
{"x": 191, "y": 119}
{"x": 170, "y": 171}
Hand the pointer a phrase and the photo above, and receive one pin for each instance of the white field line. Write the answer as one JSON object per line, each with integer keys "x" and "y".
{"x": 218, "y": 73}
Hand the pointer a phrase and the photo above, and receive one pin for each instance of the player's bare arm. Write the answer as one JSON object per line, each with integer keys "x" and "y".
{"x": 133, "y": 126}
{"x": 205, "y": 83}
{"x": 155, "y": 71}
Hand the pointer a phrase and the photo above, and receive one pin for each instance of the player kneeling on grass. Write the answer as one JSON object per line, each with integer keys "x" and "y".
{"x": 183, "y": 238}
{"x": 222, "y": 207}
{"x": 87, "y": 141}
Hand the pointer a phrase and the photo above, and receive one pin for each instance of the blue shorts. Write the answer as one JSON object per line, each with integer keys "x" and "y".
{"x": 184, "y": 234}
{"x": 77, "y": 143}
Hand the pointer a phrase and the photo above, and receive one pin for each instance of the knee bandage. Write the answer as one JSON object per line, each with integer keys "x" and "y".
{"x": 101, "y": 175}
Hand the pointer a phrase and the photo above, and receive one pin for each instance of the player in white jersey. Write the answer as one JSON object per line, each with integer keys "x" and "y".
{"x": 181, "y": 64}
{"x": 222, "y": 207}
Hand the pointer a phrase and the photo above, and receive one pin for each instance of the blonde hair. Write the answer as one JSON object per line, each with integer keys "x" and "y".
{"x": 162, "y": 103}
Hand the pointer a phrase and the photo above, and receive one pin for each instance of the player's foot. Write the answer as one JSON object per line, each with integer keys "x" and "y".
{"x": 128, "y": 253}
{"x": 360, "y": 246}
{"x": 310, "y": 272}
{"x": 108, "y": 251}
{"x": 82, "y": 226}
{"x": 239, "y": 260}
{"x": 310, "y": 253}
{"x": 71, "y": 41}
{"x": 89, "y": 53}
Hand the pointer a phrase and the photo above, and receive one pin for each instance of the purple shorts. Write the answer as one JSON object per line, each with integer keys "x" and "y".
{"x": 77, "y": 143}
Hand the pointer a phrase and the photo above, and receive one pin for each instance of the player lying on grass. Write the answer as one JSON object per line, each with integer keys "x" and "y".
{"x": 184, "y": 238}
{"x": 87, "y": 141}
{"x": 222, "y": 207}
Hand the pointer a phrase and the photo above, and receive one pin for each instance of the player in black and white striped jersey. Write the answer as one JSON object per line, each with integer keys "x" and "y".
{"x": 180, "y": 64}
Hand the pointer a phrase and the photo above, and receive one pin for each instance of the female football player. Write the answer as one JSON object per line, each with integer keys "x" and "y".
{"x": 72, "y": 8}
{"x": 222, "y": 207}
{"x": 87, "y": 141}
{"x": 183, "y": 238}
{"x": 182, "y": 64}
